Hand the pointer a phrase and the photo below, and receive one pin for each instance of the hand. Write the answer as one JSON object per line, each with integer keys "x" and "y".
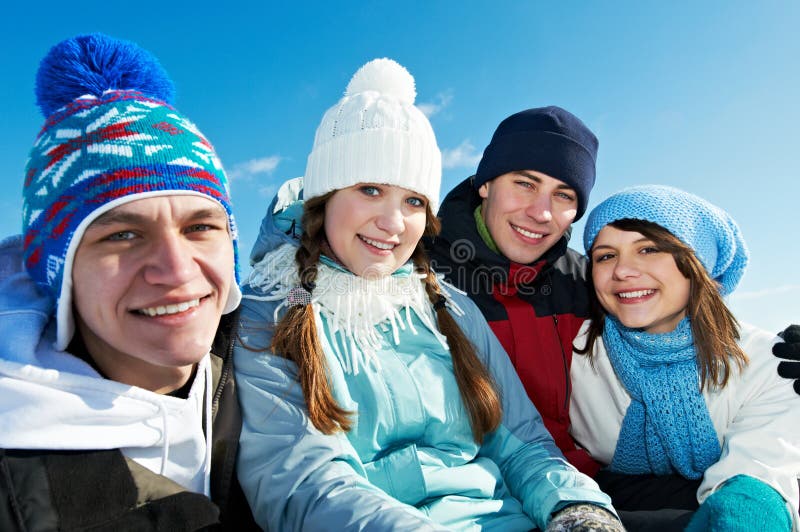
{"x": 584, "y": 517}
{"x": 789, "y": 349}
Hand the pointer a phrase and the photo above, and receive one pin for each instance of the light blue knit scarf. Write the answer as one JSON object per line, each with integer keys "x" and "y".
{"x": 667, "y": 427}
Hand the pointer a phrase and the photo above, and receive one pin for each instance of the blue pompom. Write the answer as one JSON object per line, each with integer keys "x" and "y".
{"x": 93, "y": 64}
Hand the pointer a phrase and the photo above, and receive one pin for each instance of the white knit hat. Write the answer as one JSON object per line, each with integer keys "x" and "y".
{"x": 375, "y": 134}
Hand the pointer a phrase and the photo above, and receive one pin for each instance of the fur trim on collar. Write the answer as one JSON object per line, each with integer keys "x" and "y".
{"x": 352, "y": 307}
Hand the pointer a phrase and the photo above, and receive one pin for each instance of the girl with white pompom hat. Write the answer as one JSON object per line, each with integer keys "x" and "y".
{"x": 370, "y": 389}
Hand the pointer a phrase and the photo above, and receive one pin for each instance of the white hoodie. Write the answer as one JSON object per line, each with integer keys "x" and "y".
{"x": 52, "y": 400}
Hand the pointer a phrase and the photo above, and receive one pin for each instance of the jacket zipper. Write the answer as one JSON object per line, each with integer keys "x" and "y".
{"x": 227, "y": 361}
{"x": 568, "y": 386}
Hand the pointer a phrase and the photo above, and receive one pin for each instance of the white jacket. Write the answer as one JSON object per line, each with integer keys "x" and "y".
{"x": 756, "y": 416}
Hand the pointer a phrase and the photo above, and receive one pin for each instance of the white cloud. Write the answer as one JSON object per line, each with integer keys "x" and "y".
{"x": 441, "y": 101}
{"x": 254, "y": 167}
{"x": 766, "y": 292}
{"x": 463, "y": 155}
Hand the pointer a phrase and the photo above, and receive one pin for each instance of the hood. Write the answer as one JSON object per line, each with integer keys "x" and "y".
{"x": 27, "y": 317}
{"x": 282, "y": 221}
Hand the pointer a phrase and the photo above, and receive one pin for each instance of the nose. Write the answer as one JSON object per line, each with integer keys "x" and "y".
{"x": 540, "y": 209}
{"x": 626, "y": 267}
{"x": 391, "y": 220}
{"x": 171, "y": 261}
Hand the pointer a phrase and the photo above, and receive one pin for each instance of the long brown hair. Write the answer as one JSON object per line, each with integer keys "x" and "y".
{"x": 714, "y": 328}
{"x": 296, "y": 338}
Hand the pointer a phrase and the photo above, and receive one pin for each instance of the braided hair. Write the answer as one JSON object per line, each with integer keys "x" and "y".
{"x": 296, "y": 338}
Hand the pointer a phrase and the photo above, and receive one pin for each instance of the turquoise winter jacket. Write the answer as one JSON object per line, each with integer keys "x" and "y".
{"x": 410, "y": 461}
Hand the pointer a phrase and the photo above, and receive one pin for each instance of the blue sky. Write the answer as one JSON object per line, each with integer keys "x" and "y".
{"x": 701, "y": 95}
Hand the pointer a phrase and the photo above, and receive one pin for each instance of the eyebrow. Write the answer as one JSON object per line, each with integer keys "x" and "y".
{"x": 601, "y": 246}
{"x": 537, "y": 179}
{"x": 124, "y": 217}
{"x": 637, "y": 241}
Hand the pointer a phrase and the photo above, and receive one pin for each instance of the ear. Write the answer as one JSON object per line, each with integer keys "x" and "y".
{"x": 483, "y": 191}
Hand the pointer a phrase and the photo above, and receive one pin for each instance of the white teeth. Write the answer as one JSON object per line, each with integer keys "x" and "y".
{"x": 169, "y": 309}
{"x": 379, "y": 245}
{"x": 523, "y": 232}
{"x": 638, "y": 293}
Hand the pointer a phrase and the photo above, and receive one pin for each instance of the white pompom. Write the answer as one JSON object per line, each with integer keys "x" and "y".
{"x": 385, "y": 76}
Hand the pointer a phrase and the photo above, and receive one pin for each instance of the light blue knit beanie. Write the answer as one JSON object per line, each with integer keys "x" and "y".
{"x": 708, "y": 230}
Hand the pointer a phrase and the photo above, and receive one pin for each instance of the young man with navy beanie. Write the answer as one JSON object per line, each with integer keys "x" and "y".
{"x": 504, "y": 241}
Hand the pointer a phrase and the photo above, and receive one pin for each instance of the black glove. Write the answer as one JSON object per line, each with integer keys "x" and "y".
{"x": 790, "y": 350}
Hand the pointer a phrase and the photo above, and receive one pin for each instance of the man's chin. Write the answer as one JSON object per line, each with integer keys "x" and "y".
{"x": 180, "y": 354}
{"x": 524, "y": 256}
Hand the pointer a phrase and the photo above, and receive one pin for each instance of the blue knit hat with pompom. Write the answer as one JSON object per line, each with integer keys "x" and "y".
{"x": 110, "y": 137}
{"x": 711, "y": 232}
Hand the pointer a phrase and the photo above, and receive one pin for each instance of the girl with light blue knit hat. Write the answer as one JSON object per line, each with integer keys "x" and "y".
{"x": 671, "y": 385}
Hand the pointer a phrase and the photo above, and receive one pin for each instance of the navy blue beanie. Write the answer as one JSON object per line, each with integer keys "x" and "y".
{"x": 548, "y": 140}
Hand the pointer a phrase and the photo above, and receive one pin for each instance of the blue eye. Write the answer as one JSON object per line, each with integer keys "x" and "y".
{"x": 194, "y": 228}
{"x": 416, "y": 202}
{"x": 121, "y": 236}
{"x": 566, "y": 195}
{"x": 370, "y": 190}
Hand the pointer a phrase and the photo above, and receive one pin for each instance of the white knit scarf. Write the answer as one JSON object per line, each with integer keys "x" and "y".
{"x": 353, "y": 307}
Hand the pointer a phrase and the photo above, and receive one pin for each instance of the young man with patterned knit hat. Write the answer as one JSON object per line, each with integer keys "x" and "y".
{"x": 116, "y": 384}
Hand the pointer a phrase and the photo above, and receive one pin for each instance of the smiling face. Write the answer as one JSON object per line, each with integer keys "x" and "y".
{"x": 373, "y": 229}
{"x": 527, "y": 212}
{"x": 638, "y": 283}
{"x": 150, "y": 281}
